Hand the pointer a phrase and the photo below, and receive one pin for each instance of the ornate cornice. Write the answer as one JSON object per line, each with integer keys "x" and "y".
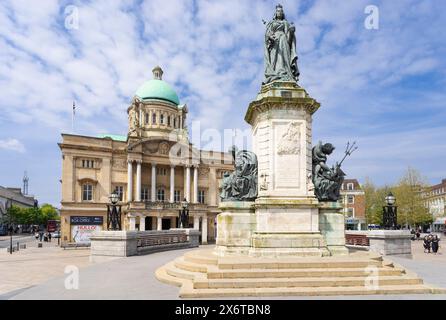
{"x": 265, "y": 104}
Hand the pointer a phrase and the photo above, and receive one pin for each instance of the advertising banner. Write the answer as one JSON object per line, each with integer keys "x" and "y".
{"x": 82, "y": 233}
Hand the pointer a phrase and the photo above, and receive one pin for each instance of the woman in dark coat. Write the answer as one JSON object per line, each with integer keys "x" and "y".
{"x": 435, "y": 241}
{"x": 427, "y": 244}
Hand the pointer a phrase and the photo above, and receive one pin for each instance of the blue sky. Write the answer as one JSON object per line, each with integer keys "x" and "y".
{"x": 383, "y": 88}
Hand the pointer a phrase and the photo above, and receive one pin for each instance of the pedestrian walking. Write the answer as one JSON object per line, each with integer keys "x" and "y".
{"x": 427, "y": 244}
{"x": 49, "y": 236}
{"x": 40, "y": 236}
{"x": 435, "y": 244}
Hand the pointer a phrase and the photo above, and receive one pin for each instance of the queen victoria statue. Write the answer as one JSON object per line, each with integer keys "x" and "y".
{"x": 280, "y": 49}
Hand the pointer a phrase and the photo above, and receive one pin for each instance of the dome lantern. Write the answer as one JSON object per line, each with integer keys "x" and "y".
{"x": 157, "y": 73}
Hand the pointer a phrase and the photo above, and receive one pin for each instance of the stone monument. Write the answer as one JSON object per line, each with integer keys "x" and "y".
{"x": 296, "y": 211}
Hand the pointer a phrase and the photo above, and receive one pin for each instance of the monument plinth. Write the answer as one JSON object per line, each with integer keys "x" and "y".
{"x": 286, "y": 210}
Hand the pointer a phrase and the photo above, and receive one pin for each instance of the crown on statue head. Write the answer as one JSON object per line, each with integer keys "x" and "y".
{"x": 279, "y": 6}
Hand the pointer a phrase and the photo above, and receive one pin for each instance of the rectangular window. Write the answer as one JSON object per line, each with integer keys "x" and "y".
{"x": 350, "y": 199}
{"x": 119, "y": 190}
{"x": 144, "y": 194}
{"x": 160, "y": 195}
{"x": 87, "y": 164}
{"x": 168, "y": 121}
{"x": 162, "y": 118}
{"x": 201, "y": 196}
{"x": 147, "y": 118}
{"x": 349, "y": 186}
{"x": 175, "y": 123}
{"x": 177, "y": 196}
{"x": 87, "y": 192}
{"x": 350, "y": 212}
{"x": 153, "y": 118}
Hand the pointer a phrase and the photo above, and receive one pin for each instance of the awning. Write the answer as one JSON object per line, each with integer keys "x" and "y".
{"x": 440, "y": 220}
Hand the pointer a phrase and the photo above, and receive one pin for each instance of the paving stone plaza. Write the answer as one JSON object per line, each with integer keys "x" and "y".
{"x": 43, "y": 277}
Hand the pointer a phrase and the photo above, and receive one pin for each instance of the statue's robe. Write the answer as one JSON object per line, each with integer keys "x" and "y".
{"x": 280, "y": 54}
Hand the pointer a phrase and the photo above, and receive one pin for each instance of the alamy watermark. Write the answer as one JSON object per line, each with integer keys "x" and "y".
{"x": 72, "y": 278}
{"x": 71, "y": 13}
{"x": 371, "y": 22}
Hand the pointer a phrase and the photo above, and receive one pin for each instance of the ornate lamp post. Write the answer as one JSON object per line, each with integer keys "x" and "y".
{"x": 184, "y": 214}
{"x": 390, "y": 213}
{"x": 114, "y": 213}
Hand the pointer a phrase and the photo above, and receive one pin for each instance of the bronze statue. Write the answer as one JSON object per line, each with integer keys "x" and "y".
{"x": 280, "y": 49}
{"x": 241, "y": 185}
{"x": 328, "y": 181}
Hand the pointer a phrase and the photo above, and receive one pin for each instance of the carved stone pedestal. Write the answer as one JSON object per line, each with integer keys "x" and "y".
{"x": 234, "y": 227}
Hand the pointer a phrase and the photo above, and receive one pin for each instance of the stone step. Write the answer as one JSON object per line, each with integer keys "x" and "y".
{"x": 173, "y": 271}
{"x": 304, "y": 264}
{"x": 162, "y": 274}
{"x": 306, "y": 282}
{"x": 181, "y": 263}
{"x": 298, "y": 273}
{"x": 188, "y": 292}
{"x": 201, "y": 257}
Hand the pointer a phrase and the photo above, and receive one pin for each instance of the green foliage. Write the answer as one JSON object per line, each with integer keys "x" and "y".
{"x": 31, "y": 216}
{"x": 408, "y": 194}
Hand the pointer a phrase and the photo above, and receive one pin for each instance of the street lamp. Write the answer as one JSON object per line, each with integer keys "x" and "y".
{"x": 184, "y": 214}
{"x": 114, "y": 213}
{"x": 390, "y": 213}
{"x": 8, "y": 206}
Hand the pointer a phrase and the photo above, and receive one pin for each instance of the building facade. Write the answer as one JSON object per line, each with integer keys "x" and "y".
{"x": 353, "y": 202}
{"x": 435, "y": 200}
{"x": 152, "y": 169}
{"x": 14, "y": 197}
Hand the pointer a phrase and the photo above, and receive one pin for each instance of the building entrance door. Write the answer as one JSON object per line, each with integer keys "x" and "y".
{"x": 149, "y": 223}
{"x": 166, "y": 224}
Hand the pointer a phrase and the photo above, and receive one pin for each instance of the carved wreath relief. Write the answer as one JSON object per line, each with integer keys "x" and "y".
{"x": 289, "y": 143}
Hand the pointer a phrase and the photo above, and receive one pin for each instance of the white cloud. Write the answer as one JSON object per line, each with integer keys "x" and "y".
{"x": 212, "y": 54}
{"x": 12, "y": 145}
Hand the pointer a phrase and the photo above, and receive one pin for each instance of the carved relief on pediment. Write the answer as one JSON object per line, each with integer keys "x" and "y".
{"x": 151, "y": 147}
{"x": 164, "y": 148}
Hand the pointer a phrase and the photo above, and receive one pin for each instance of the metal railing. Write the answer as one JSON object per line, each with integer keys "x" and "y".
{"x": 158, "y": 238}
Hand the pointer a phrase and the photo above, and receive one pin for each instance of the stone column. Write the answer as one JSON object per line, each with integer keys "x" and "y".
{"x": 142, "y": 223}
{"x": 172, "y": 184}
{"x": 196, "y": 222}
{"x": 187, "y": 186}
{"x": 153, "y": 192}
{"x": 159, "y": 223}
{"x": 195, "y": 184}
{"x": 132, "y": 223}
{"x": 138, "y": 181}
{"x": 204, "y": 230}
{"x": 129, "y": 180}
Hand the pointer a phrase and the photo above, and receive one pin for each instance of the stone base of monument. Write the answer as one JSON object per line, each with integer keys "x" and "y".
{"x": 391, "y": 242}
{"x": 204, "y": 274}
{"x": 281, "y": 227}
{"x": 332, "y": 226}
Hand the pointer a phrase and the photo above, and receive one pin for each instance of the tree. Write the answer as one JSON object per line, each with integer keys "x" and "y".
{"x": 374, "y": 202}
{"x": 408, "y": 193}
{"x": 48, "y": 212}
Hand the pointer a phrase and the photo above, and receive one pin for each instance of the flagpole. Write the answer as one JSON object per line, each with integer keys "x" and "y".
{"x": 72, "y": 117}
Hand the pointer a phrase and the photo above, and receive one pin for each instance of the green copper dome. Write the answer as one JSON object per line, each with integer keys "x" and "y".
{"x": 157, "y": 89}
